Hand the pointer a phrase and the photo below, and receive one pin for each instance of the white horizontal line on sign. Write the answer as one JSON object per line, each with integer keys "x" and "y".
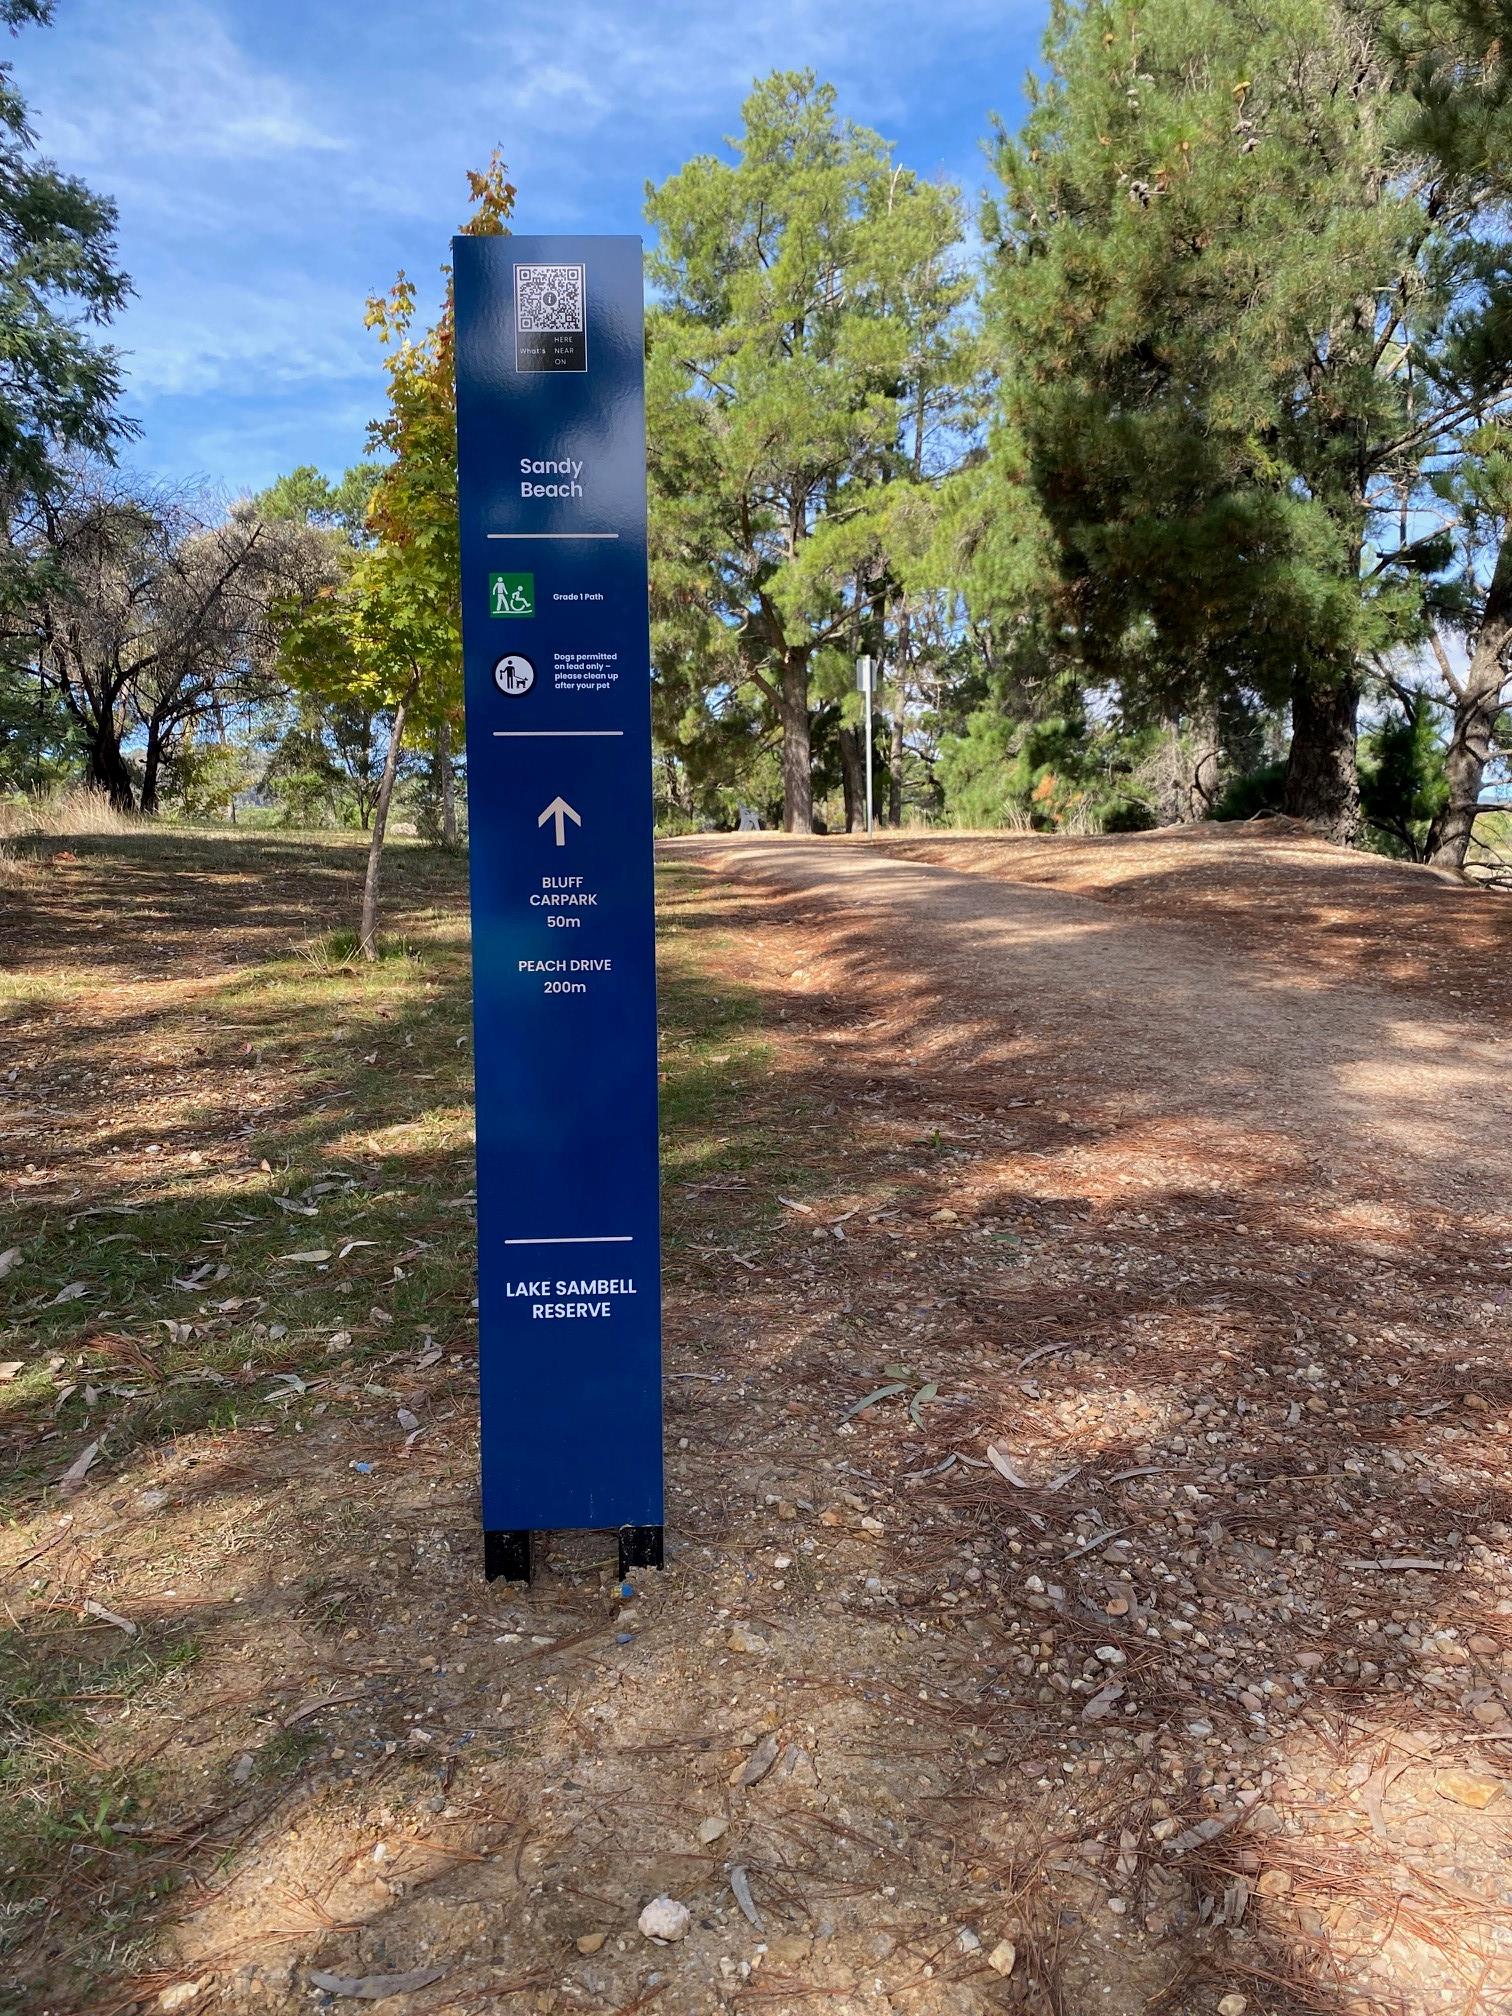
{"x": 587, "y": 1239}
{"x": 553, "y": 535}
{"x": 515, "y": 734}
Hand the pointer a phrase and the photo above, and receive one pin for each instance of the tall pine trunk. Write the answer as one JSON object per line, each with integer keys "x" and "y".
{"x": 367, "y": 936}
{"x": 1321, "y": 783}
{"x": 853, "y": 777}
{"x": 797, "y": 759}
{"x": 448, "y": 784}
{"x": 1477, "y": 706}
{"x": 905, "y": 656}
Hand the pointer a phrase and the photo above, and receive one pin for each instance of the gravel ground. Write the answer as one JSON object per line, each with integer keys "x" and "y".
{"x": 1087, "y": 1425}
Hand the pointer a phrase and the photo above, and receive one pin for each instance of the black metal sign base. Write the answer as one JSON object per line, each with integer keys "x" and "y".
{"x": 507, "y": 1555}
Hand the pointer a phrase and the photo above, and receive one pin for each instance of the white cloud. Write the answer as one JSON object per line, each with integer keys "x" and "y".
{"x": 276, "y": 160}
{"x": 179, "y": 87}
{"x": 288, "y": 328}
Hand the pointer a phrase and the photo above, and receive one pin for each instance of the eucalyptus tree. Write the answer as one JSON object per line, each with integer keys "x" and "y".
{"x": 147, "y": 613}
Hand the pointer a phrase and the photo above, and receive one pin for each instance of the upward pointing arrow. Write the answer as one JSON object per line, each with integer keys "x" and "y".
{"x": 561, "y": 811}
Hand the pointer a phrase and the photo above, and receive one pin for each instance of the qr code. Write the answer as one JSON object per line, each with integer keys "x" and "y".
{"x": 549, "y": 300}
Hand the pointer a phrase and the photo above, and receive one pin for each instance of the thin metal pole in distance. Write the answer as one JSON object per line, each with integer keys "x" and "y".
{"x": 865, "y": 669}
{"x": 868, "y": 755}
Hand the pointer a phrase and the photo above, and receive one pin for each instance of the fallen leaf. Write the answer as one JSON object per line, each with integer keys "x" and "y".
{"x": 69, "y": 1294}
{"x": 373, "y": 1987}
{"x": 882, "y": 1393}
{"x": 9, "y": 1368}
{"x": 313, "y": 1257}
{"x": 76, "y": 1472}
{"x": 1104, "y": 1701}
{"x": 408, "y": 1421}
{"x": 94, "y": 1609}
{"x": 308, "y": 1708}
{"x": 740, "y": 1883}
{"x": 1003, "y": 1464}
{"x": 8, "y": 1260}
{"x": 760, "y": 1761}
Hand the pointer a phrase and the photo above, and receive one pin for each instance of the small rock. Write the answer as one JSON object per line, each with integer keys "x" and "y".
{"x": 1465, "y": 1789}
{"x": 1002, "y": 1957}
{"x": 788, "y": 1949}
{"x": 968, "y": 1941}
{"x": 711, "y": 1829}
{"x": 1274, "y": 1882}
{"x": 664, "y": 1919}
{"x": 744, "y": 1639}
{"x": 1233, "y": 2005}
{"x": 591, "y": 1942}
{"x": 1111, "y": 1656}
{"x": 179, "y": 1995}
{"x": 1490, "y": 1714}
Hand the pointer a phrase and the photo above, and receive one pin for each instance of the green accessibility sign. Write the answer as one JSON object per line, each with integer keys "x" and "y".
{"x": 511, "y": 595}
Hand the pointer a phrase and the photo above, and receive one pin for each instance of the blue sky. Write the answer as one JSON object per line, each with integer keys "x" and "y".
{"x": 275, "y": 161}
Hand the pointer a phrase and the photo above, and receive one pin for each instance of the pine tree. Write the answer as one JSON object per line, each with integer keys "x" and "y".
{"x": 1206, "y": 249}
{"x": 800, "y": 284}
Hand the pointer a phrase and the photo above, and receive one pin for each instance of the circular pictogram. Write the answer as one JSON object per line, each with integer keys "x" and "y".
{"x": 514, "y": 674}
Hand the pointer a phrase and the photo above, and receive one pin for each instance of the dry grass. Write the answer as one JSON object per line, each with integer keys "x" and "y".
{"x": 72, "y": 812}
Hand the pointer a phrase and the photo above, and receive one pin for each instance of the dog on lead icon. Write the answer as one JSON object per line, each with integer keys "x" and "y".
{"x": 514, "y": 674}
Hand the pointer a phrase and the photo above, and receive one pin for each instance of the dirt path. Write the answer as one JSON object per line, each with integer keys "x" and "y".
{"x": 1156, "y": 1027}
{"x": 1145, "y": 1643}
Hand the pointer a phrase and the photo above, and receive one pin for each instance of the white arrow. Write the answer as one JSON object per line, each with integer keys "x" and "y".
{"x": 561, "y": 811}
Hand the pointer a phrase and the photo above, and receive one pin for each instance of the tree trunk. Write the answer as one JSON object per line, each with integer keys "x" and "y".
{"x": 367, "y": 936}
{"x": 152, "y": 763}
{"x": 1477, "y": 706}
{"x": 106, "y": 768}
{"x": 797, "y": 769}
{"x": 853, "y": 777}
{"x": 448, "y": 784}
{"x": 1321, "y": 783}
{"x": 900, "y": 678}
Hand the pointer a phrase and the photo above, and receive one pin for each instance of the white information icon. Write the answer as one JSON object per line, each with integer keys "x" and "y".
{"x": 514, "y": 674}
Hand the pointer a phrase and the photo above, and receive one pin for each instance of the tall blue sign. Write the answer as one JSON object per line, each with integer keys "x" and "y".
{"x": 552, "y": 483}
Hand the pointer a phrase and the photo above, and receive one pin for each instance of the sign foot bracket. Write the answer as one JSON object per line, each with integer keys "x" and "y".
{"x": 506, "y": 1556}
{"x": 639, "y": 1547}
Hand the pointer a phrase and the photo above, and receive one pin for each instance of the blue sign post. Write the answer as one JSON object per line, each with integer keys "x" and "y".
{"x": 552, "y": 482}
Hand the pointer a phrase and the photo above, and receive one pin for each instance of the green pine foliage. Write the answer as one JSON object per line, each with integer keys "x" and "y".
{"x": 805, "y": 290}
